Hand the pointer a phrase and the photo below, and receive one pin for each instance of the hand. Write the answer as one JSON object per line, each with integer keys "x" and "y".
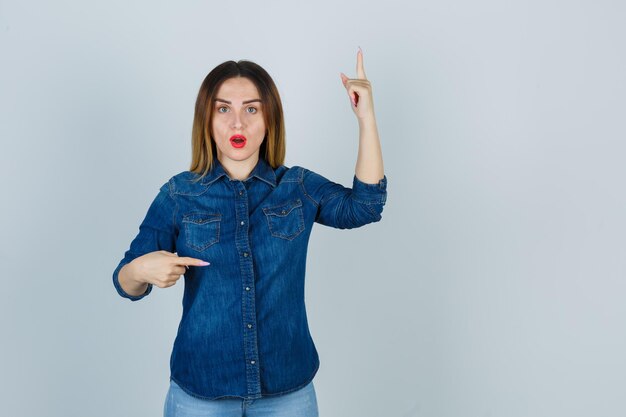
{"x": 162, "y": 268}
{"x": 359, "y": 90}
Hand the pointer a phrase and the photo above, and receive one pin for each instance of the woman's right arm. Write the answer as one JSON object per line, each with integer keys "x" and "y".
{"x": 129, "y": 282}
{"x": 151, "y": 260}
{"x": 160, "y": 268}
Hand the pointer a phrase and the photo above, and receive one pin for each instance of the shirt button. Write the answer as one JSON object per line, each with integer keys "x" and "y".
{"x": 249, "y": 326}
{"x": 245, "y": 254}
{"x": 283, "y": 212}
{"x": 242, "y": 223}
{"x": 252, "y": 362}
{"x": 240, "y": 192}
{"x": 247, "y": 288}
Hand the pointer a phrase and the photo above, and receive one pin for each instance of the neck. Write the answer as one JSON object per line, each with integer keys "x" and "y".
{"x": 238, "y": 170}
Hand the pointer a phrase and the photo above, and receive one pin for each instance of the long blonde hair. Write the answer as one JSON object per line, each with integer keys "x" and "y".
{"x": 203, "y": 148}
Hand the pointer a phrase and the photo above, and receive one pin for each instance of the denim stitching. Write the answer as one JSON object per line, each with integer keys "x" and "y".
{"x": 301, "y": 172}
{"x": 295, "y": 203}
{"x": 295, "y": 209}
{"x": 175, "y": 213}
{"x": 187, "y": 224}
{"x": 309, "y": 379}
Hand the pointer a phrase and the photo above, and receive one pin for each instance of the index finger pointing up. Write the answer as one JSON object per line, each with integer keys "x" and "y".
{"x": 360, "y": 71}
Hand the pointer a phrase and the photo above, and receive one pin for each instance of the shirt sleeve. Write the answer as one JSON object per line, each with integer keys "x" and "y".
{"x": 156, "y": 232}
{"x": 342, "y": 207}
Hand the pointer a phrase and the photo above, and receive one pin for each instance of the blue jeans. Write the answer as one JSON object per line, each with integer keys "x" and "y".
{"x": 300, "y": 403}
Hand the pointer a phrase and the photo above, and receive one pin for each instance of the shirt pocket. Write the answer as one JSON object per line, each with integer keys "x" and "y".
{"x": 201, "y": 229}
{"x": 285, "y": 221}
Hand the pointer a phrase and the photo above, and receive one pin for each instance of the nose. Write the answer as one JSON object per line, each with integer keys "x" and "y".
{"x": 236, "y": 121}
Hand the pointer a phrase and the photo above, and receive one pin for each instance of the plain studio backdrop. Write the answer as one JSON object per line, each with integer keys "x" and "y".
{"x": 494, "y": 284}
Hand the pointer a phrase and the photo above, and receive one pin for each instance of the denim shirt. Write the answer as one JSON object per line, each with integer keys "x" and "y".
{"x": 243, "y": 331}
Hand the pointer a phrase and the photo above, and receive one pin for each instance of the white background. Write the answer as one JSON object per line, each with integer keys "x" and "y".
{"x": 494, "y": 284}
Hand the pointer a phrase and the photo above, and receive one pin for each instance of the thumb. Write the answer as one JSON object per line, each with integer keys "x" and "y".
{"x": 344, "y": 78}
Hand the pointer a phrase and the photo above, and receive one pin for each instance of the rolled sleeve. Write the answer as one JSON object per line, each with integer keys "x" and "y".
{"x": 156, "y": 232}
{"x": 119, "y": 288}
{"x": 342, "y": 207}
{"x": 370, "y": 193}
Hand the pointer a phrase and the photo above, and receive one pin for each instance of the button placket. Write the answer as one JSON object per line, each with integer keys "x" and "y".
{"x": 248, "y": 305}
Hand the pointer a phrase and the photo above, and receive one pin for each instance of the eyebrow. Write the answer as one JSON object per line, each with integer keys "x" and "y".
{"x": 243, "y": 102}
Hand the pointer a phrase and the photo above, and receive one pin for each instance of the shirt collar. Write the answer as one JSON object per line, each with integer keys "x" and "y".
{"x": 262, "y": 171}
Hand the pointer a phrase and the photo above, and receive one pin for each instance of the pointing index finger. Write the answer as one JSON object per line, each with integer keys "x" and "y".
{"x": 360, "y": 71}
{"x": 185, "y": 260}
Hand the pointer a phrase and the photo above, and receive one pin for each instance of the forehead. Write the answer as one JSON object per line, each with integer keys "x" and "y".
{"x": 238, "y": 89}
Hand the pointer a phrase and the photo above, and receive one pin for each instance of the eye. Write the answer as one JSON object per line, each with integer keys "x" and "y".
{"x": 220, "y": 108}
{"x": 253, "y": 108}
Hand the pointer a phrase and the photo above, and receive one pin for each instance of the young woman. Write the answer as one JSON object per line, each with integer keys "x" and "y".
{"x": 237, "y": 225}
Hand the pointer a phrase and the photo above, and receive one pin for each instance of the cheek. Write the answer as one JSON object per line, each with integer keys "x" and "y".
{"x": 260, "y": 127}
{"x": 218, "y": 123}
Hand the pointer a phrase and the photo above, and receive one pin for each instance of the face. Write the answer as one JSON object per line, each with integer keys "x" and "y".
{"x": 238, "y": 127}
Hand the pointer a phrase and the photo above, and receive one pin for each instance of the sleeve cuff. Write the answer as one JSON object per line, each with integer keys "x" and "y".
{"x": 370, "y": 193}
{"x": 121, "y": 291}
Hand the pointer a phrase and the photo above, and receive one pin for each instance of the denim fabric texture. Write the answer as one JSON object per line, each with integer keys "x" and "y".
{"x": 300, "y": 403}
{"x": 243, "y": 331}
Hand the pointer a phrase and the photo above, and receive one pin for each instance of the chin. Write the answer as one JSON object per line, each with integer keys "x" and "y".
{"x": 238, "y": 156}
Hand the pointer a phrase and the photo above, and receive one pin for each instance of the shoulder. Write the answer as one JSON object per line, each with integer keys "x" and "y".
{"x": 289, "y": 174}
{"x": 297, "y": 173}
{"x": 185, "y": 183}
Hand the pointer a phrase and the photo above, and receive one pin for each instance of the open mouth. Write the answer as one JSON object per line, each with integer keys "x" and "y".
{"x": 238, "y": 141}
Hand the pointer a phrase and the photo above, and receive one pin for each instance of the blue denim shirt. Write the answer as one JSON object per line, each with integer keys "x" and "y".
{"x": 244, "y": 331}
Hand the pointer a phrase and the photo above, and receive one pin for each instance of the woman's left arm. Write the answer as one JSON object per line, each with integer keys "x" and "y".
{"x": 369, "y": 165}
{"x": 339, "y": 206}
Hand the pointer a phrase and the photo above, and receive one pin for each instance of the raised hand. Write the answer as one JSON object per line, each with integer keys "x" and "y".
{"x": 359, "y": 90}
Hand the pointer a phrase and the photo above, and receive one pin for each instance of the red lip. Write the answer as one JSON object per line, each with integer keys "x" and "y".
{"x": 238, "y": 141}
